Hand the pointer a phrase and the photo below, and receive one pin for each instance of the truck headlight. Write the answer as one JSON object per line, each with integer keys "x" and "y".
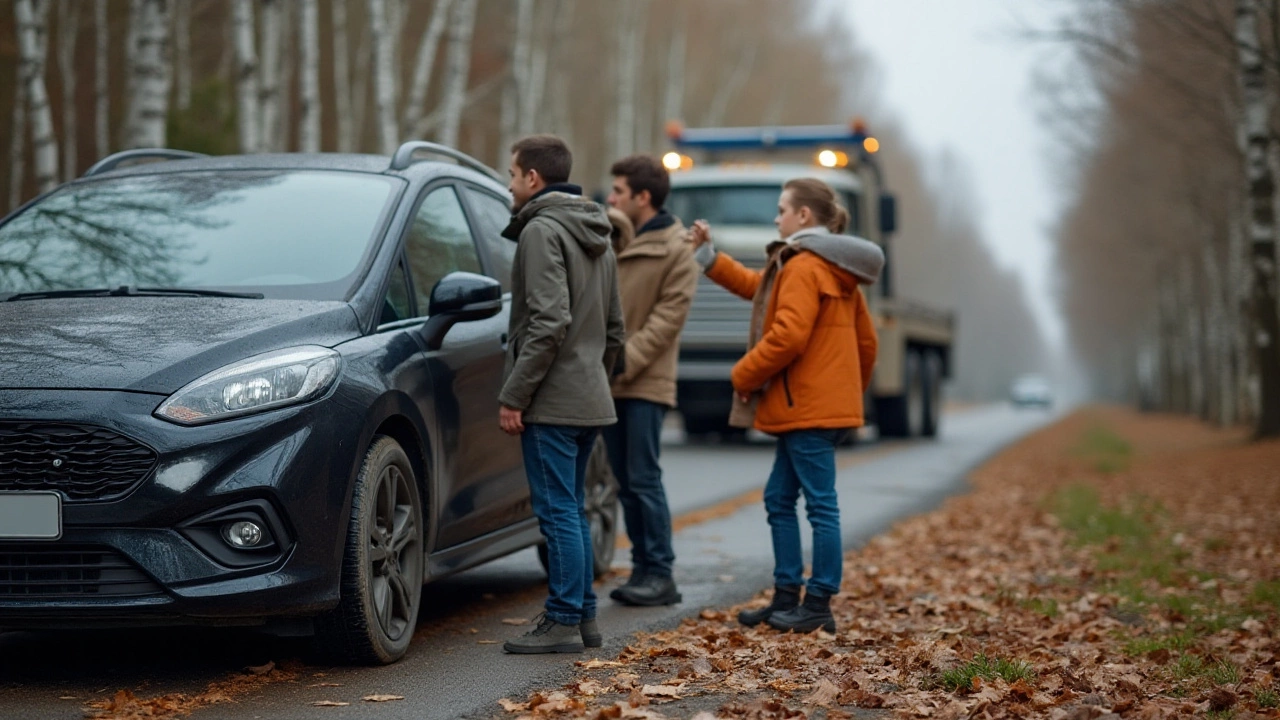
{"x": 263, "y": 382}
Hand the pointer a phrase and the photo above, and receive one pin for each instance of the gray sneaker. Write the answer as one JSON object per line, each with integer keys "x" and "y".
{"x": 548, "y": 636}
{"x": 591, "y": 636}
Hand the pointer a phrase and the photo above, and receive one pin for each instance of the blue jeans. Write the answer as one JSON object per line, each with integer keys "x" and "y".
{"x": 633, "y": 454}
{"x": 805, "y": 462}
{"x": 555, "y": 461}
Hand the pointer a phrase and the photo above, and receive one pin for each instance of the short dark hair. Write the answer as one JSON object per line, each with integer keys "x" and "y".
{"x": 545, "y": 153}
{"x": 644, "y": 172}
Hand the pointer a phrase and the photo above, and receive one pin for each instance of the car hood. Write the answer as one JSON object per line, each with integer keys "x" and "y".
{"x": 153, "y": 344}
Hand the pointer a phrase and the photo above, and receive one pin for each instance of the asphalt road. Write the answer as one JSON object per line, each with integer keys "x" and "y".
{"x": 456, "y": 667}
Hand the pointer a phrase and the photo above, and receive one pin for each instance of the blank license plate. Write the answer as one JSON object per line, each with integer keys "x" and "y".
{"x": 30, "y": 516}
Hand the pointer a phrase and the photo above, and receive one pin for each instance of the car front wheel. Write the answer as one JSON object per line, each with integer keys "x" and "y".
{"x": 382, "y": 566}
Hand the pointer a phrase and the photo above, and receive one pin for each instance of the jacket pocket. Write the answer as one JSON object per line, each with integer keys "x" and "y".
{"x": 786, "y": 386}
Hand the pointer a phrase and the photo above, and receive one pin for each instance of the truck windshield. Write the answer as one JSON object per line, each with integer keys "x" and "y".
{"x": 726, "y": 205}
{"x": 283, "y": 233}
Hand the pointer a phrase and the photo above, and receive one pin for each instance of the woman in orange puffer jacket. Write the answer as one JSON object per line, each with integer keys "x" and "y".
{"x": 812, "y": 348}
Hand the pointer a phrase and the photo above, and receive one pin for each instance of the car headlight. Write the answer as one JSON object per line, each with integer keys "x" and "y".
{"x": 263, "y": 382}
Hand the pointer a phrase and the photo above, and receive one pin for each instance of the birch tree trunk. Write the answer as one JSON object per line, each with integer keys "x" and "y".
{"x": 17, "y": 144}
{"x": 150, "y": 79}
{"x": 342, "y": 76}
{"x": 629, "y": 29}
{"x": 535, "y": 79}
{"x": 423, "y": 67}
{"x": 516, "y": 80}
{"x": 248, "y": 116}
{"x": 1255, "y": 114}
{"x": 101, "y": 83}
{"x": 673, "y": 100}
{"x": 269, "y": 75}
{"x": 309, "y": 79}
{"x": 384, "y": 78}
{"x": 360, "y": 89}
{"x": 457, "y": 69}
{"x": 68, "y": 29}
{"x": 182, "y": 54}
{"x": 32, "y": 17}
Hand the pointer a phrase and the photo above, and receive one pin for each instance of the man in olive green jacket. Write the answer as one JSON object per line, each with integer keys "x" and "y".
{"x": 658, "y": 278}
{"x": 565, "y": 336}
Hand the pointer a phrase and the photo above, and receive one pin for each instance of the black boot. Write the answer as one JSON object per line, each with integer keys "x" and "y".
{"x": 785, "y": 597}
{"x": 654, "y": 590}
{"x": 637, "y": 578}
{"x": 813, "y": 613}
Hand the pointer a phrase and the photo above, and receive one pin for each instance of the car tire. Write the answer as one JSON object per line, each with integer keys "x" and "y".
{"x": 602, "y": 513}
{"x": 382, "y": 564}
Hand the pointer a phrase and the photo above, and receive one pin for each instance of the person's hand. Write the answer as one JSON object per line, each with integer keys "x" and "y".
{"x": 511, "y": 421}
{"x": 700, "y": 233}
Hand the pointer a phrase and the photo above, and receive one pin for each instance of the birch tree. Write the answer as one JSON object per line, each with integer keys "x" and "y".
{"x": 150, "y": 79}
{"x": 673, "y": 98}
{"x": 423, "y": 67}
{"x": 309, "y": 69}
{"x": 342, "y": 76}
{"x": 457, "y": 70}
{"x": 32, "y": 17}
{"x": 101, "y": 75}
{"x": 248, "y": 117}
{"x": 269, "y": 75}
{"x": 517, "y": 78}
{"x": 384, "y": 78}
{"x": 17, "y": 144}
{"x": 182, "y": 54}
{"x": 629, "y": 29}
{"x": 1255, "y": 114}
{"x": 68, "y": 29}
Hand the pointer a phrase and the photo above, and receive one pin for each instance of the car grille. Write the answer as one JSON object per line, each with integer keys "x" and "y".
{"x": 60, "y": 571}
{"x": 82, "y": 462}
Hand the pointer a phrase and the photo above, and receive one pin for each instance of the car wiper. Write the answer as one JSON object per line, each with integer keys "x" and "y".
{"x": 131, "y": 291}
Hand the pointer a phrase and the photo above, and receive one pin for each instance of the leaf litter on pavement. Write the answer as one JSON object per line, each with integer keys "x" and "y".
{"x": 1111, "y": 565}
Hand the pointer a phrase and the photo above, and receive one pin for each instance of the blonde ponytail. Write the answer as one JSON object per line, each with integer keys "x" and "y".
{"x": 821, "y": 201}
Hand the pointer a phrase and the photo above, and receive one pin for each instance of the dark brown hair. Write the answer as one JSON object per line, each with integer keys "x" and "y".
{"x": 644, "y": 172}
{"x": 821, "y": 201}
{"x": 545, "y": 153}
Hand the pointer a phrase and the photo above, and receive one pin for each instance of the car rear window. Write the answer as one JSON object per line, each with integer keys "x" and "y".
{"x": 290, "y": 230}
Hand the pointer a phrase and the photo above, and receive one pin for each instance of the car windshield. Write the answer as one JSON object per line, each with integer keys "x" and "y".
{"x": 284, "y": 233}
{"x": 733, "y": 205}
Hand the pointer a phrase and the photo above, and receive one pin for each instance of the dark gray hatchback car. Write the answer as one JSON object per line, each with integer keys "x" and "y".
{"x": 259, "y": 390}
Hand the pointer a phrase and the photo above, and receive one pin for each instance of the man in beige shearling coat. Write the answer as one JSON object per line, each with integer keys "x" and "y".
{"x": 657, "y": 278}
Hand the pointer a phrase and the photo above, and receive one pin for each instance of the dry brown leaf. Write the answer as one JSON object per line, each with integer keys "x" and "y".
{"x": 486, "y": 642}
{"x": 325, "y": 684}
{"x": 596, "y": 663}
{"x": 515, "y": 621}
{"x": 261, "y": 669}
{"x": 670, "y": 691}
{"x": 381, "y": 698}
{"x": 329, "y": 703}
{"x": 824, "y": 693}
{"x": 512, "y": 706}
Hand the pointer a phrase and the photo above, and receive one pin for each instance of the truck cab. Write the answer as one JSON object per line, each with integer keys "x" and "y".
{"x": 734, "y": 186}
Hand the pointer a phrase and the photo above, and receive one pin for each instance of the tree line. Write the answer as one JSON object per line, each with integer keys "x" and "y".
{"x": 1167, "y": 250}
{"x": 88, "y": 77}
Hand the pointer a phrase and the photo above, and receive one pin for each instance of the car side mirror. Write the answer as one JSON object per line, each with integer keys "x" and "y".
{"x": 460, "y": 297}
{"x": 888, "y": 214}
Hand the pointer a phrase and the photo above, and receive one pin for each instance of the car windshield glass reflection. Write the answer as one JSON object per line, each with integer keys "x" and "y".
{"x": 230, "y": 229}
{"x": 737, "y": 205}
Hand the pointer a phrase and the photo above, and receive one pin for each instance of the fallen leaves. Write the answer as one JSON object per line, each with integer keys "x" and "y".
{"x": 329, "y": 703}
{"x": 125, "y": 705}
{"x": 381, "y": 698}
{"x": 515, "y": 621}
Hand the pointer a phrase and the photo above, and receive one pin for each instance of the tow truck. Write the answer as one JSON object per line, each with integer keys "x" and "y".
{"x": 734, "y": 185}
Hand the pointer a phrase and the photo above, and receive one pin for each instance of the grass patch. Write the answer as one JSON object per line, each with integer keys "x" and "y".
{"x": 1048, "y": 608}
{"x": 1106, "y": 451}
{"x": 1267, "y": 593}
{"x": 1140, "y": 646}
{"x": 1080, "y": 510}
{"x": 1266, "y": 698}
{"x": 1188, "y": 667}
{"x": 1223, "y": 673}
{"x": 961, "y": 678}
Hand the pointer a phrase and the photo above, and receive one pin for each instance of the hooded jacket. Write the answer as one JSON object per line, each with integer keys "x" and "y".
{"x": 566, "y": 329}
{"x": 658, "y": 278}
{"x": 813, "y": 344}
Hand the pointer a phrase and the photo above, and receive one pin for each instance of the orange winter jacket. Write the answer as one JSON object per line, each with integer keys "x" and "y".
{"x": 817, "y": 343}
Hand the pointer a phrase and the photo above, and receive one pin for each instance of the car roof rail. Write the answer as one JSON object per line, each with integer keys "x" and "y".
{"x": 127, "y": 157}
{"x": 404, "y": 157}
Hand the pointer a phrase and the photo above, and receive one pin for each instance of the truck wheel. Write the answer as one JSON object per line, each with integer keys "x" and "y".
{"x": 382, "y": 564}
{"x": 903, "y": 415}
{"x": 602, "y": 513}
{"x": 932, "y": 369}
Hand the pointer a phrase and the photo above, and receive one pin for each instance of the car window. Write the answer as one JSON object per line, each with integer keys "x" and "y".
{"x": 291, "y": 233}
{"x": 492, "y": 215}
{"x": 397, "y": 305}
{"x": 439, "y": 242}
{"x": 726, "y": 205}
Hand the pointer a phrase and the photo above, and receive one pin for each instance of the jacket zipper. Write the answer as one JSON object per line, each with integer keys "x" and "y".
{"x": 786, "y": 386}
